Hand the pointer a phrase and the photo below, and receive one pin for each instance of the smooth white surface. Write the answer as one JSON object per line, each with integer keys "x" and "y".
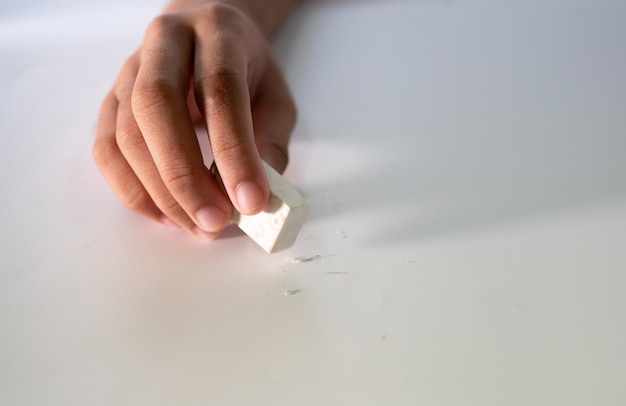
{"x": 465, "y": 166}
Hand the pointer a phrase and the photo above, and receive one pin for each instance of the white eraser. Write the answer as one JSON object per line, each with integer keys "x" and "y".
{"x": 277, "y": 226}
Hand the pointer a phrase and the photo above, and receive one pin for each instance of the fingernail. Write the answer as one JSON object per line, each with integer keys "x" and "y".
{"x": 167, "y": 222}
{"x": 203, "y": 234}
{"x": 249, "y": 197}
{"x": 211, "y": 218}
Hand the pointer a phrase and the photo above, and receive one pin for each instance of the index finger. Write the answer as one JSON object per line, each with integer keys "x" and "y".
{"x": 223, "y": 96}
{"x": 159, "y": 104}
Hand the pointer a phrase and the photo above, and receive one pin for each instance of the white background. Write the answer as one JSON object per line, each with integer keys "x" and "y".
{"x": 464, "y": 162}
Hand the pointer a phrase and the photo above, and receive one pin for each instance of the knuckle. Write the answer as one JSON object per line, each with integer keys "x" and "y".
{"x": 153, "y": 93}
{"x": 171, "y": 207}
{"x": 138, "y": 201}
{"x": 223, "y": 74}
{"x": 178, "y": 178}
{"x": 218, "y": 84}
{"x": 227, "y": 148}
{"x": 162, "y": 26}
{"x": 168, "y": 205}
{"x": 128, "y": 136}
{"x": 124, "y": 83}
{"x": 104, "y": 151}
{"x": 217, "y": 14}
{"x": 221, "y": 11}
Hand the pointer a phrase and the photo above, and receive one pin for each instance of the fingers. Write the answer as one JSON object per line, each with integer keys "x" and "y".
{"x": 159, "y": 105}
{"x": 115, "y": 168}
{"x": 222, "y": 94}
{"x": 134, "y": 149}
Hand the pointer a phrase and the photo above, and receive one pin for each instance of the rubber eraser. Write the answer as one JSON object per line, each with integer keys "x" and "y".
{"x": 278, "y": 225}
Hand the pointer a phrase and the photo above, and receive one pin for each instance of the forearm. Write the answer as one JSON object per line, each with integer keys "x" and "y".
{"x": 267, "y": 14}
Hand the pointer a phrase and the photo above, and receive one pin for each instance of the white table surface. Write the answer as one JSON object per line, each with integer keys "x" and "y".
{"x": 465, "y": 164}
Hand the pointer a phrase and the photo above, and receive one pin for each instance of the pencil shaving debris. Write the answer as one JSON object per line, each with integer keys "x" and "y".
{"x": 289, "y": 292}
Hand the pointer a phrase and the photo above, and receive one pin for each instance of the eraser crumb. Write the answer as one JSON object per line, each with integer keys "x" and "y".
{"x": 299, "y": 260}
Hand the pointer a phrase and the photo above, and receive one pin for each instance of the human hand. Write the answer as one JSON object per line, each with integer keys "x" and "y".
{"x": 209, "y": 64}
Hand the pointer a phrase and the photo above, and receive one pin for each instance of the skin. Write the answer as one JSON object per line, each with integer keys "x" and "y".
{"x": 201, "y": 62}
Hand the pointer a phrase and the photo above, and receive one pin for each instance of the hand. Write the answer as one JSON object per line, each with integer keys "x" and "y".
{"x": 212, "y": 64}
